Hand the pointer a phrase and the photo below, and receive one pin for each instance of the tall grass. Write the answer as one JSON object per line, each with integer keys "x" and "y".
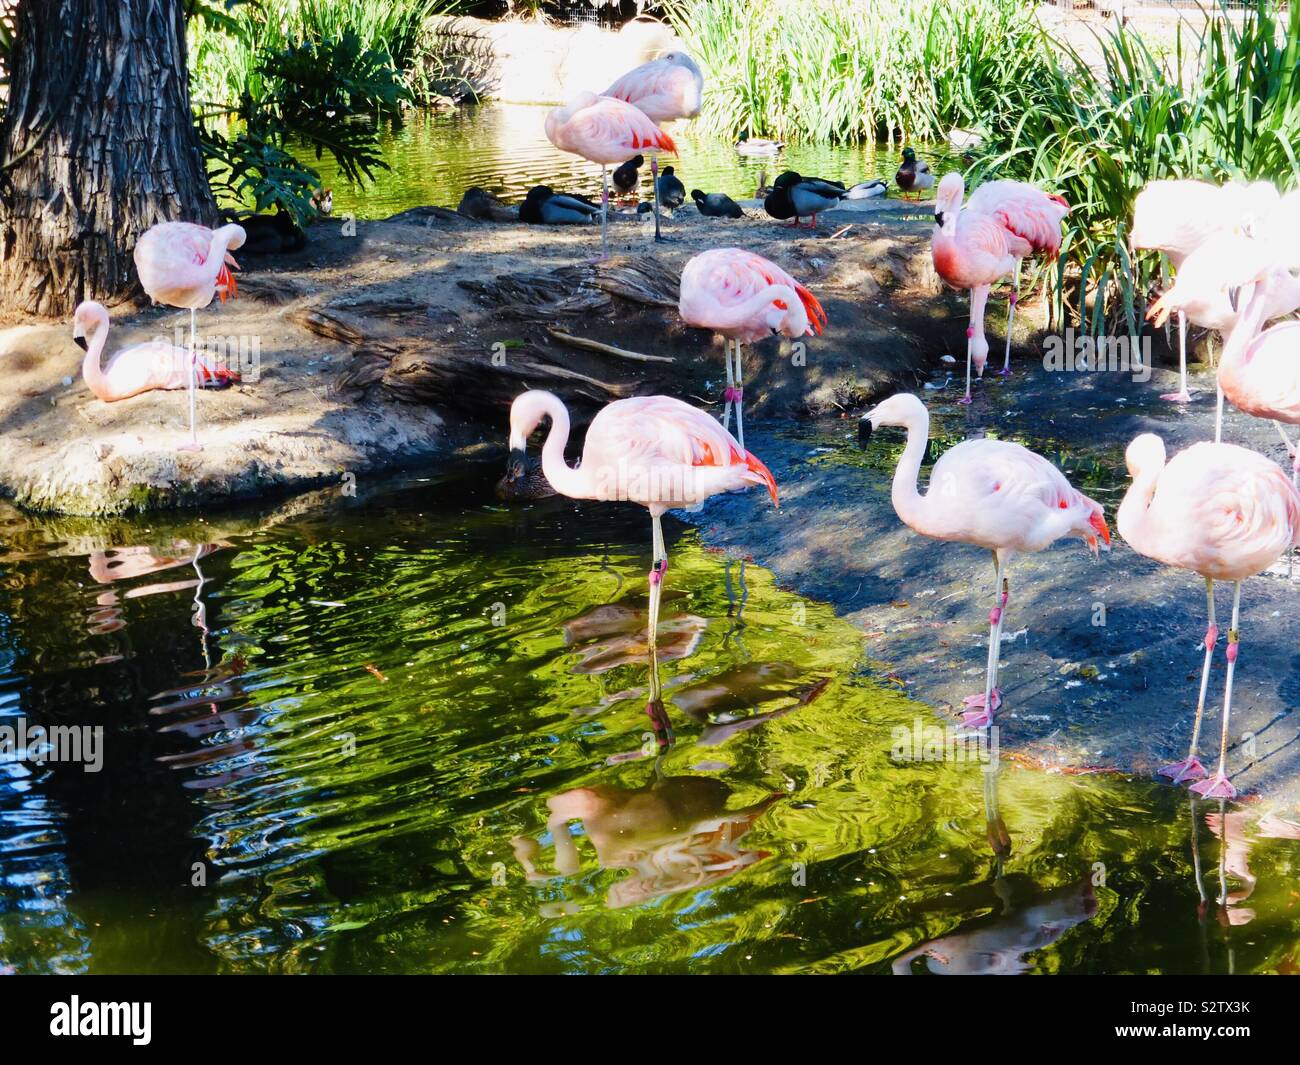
{"x": 225, "y": 61}
{"x": 1223, "y": 104}
{"x": 830, "y": 70}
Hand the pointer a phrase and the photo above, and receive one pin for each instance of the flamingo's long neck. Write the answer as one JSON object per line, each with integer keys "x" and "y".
{"x": 908, "y": 502}
{"x": 1247, "y": 328}
{"x": 217, "y": 248}
{"x": 91, "y": 370}
{"x": 1137, "y": 500}
{"x": 563, "y": 477}
{"x": 743, "y": 313}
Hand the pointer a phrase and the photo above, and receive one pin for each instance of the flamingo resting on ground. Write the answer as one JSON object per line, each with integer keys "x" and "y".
{"x": 142, "y": 368}
{"x": 1223, "y": 512}
{"x": 185, "y": 265}
{"x": 665, "y": 89}
{"x": 652, "y": 450}
{"x": 990, "y": 493}
{"x": 744, "y": 297}
{"x": 607, "y": 131}
{"x": 1178, "y": 217}
{"x": 975, "y": 247}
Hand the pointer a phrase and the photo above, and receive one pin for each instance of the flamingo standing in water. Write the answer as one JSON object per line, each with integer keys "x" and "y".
{"x": 185, "y": 265}
{"x": 977, "y": 246}
{"x": 665, "y": 89}
{"x": 1223, "y": 512}
{"x": 143, "y": 368}
{"x": 1178, "y": 217}
{"x": 990, "y": 493}
{"x": 652, "y": 450}
{"x": 607, "y": 131}
{"x": 744, "y": 297}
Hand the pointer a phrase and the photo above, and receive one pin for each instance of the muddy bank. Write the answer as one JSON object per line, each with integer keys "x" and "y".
{"x": 391, "y": 344}
{"x": 1103, "y": 660}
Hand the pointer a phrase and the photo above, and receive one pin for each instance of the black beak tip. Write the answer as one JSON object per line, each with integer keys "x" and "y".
{"x": 1234, "y": 297}
{"x": 864, "y": 430}
{"x": 938, "y": 218}
{"x": 81, "y": 343}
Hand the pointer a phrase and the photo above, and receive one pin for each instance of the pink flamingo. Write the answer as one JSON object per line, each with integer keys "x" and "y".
{"x": 1257, "y": 371}
{"x": 652, "y": 450}
{"x": 1176, "y": 218}
{"x": 1223, "y": 512}
{"x": 185, "y": 265}
{"x": 605, "y": 131}
{"x": 156, "y": 366}
{"x": 975, "y": 247}
{"x": 665, "y": 89}
{"x": 744, "y": 297}
{"x": 990, "y": 493}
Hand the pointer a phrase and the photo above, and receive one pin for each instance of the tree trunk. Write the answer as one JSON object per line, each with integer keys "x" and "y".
{"x": 98, "y": 145}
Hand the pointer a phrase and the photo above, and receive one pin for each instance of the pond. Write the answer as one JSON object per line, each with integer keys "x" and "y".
{"x": 435, "y": 156}
{"x": 406, "y": 731}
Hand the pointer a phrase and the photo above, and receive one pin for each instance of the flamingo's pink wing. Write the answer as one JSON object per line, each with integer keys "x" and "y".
{"x": 664, "y": 91}
{"x": 732, "y": 275}
{"x": 616, "y": 127}
{"x": 1028, "y": 213}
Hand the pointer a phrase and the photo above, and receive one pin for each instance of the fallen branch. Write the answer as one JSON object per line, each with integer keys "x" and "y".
{"x": 604, "y": 349}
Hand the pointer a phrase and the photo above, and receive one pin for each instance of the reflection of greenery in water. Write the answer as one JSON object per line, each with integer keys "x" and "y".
{"x": 434, "y": 157}
{"x": 796, "y": 844}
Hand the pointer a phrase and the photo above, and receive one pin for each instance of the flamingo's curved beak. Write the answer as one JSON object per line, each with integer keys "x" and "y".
{"x": 866, "y": 426}
{"x": 79, "y": 336}
{"x": 1234, "y": 298}
{"x": 938, "y": 219}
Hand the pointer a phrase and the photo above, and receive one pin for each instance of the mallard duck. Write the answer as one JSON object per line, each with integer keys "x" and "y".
{"x": 544, "y": 206}
{"x": 323, "y": 201}
{"x": 626, "y": 177}
{"x": 748, "y": 145}
{"x": 913, "y": 175}
{"x": 794, "y": 196}
{"x": 866, "y": 190}
{"x": 672, "y": 193}
{"x": 716, "y": 205}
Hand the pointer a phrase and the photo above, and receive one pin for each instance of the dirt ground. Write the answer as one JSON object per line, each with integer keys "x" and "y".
{"x": 380, "y": 349}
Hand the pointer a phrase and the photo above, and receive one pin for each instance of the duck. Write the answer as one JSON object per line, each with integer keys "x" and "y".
{"x": 482, "y": 206}
{"x": 748, "y": 145}
{"x": 271, "y": 234}
{"x": 323, "y": 201}
{"x": 794, "y": 196}
{"x": 764, "y": 189}
{"x": 672, "y": 193}
{"x": 626, "y": 177}
{"x": 866, "y": 190}
{"x": 913, "y": 174}
{"x": 716, "y": 205}
{"x": 544, "y": 206}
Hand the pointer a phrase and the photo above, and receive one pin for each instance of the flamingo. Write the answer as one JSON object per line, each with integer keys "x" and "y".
{"x": 143, "y": 368}
{"x": 185, "y": 265}
{"x": 604, "y": 130}
{"x": 976, "y": 247}
{"x": 1177, "y": 217}
{"x": 652, "y": 450}
{"x": 989, "y": 493}
{"x": 1223, "y": 512}
{"x": 665, "y": 89}
{"x": 744, "y": 297}
{"x": 1257, "y": 371}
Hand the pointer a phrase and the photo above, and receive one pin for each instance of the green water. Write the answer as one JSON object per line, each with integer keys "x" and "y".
{"x": 346, "y": 735}
{"x": 434, "y": 157}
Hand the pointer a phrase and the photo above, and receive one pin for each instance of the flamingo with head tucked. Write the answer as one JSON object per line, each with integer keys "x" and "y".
{"x": 977, "y": 246}
{"x": 652, "y": 450}
{"x": 665, "y": 89}
{"x": 744, "y": 297}
{"x": 1223, "y": 512}
{"x": 990, "y": 493}
{"x": 185, "y": 265}
{"x": 156, "y": 366}
{"x": 607, "y": 131}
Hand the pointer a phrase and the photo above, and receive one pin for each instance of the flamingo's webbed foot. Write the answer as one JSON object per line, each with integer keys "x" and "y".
{"x": 1178, "y": 397}
{"x": 1215, "y": 787}
{"x": 1178, "y": 772}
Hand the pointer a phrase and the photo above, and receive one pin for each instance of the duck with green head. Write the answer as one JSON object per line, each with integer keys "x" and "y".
{"x": 913, "y": 174}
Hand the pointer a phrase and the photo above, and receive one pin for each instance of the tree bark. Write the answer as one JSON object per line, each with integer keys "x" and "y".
{"x": 98, "y": 145}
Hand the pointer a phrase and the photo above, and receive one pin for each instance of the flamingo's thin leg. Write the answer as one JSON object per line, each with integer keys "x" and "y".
{"x": 1218, "y": 418}
{"x": 1011, "y": 321}
{"x": 654, "y": 178}
{"x": 980, "y": 711}
{"x": 1219, "y": 786}
{"x": 1191, "y": 768}
{"x": 1182, "y": 395}
{"x": 729, "y": 391}
{"x": 997, "y": 656}
{"x": 970, "y": 334}
{"x": 658, "y": 568}
{"x": 1290, "y": 447}
{"x": 740, "y": 401}
{"x": 604, "y": 212}
{"x": 193, "y": 445}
